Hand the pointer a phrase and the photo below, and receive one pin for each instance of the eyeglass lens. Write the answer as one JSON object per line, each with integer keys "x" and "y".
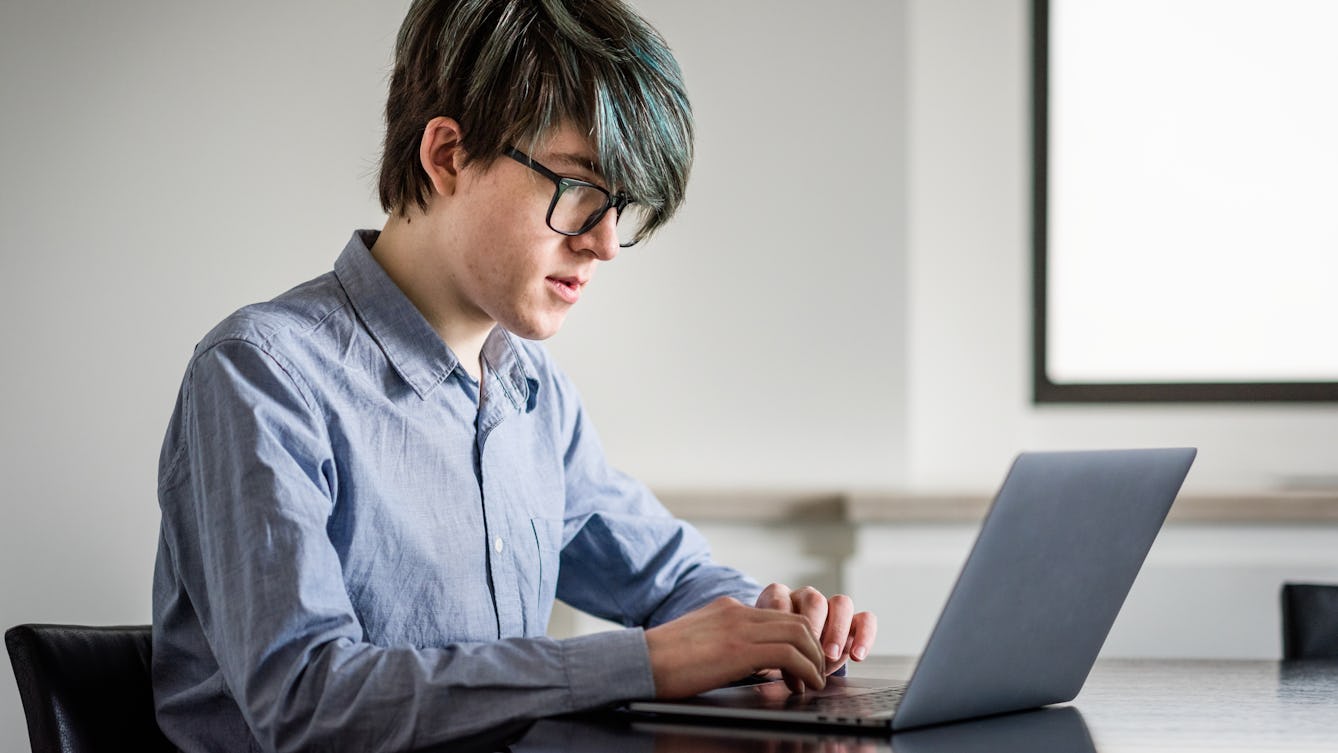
{"x": 577, "y": 207}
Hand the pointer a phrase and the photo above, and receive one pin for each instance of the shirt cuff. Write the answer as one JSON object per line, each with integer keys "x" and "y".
{"x": 608, "y": 667}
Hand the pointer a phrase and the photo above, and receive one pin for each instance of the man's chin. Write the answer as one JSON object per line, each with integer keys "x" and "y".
{"x": 538, "y": 330}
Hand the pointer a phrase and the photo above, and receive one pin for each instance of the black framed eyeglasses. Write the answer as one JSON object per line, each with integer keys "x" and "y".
{"x": 578, "y": 206}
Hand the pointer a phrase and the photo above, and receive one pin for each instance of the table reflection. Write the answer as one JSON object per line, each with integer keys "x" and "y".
{"x": 1060, "y": 730}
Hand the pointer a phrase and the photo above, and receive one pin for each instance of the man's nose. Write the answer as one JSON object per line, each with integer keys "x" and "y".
{"x": 602, "y": 239}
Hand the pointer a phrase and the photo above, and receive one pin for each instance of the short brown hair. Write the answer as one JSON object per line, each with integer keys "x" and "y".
{"x": 509, "y": 71}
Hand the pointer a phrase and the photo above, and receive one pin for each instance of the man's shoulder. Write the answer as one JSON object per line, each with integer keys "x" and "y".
{"x": 289, "y": 318}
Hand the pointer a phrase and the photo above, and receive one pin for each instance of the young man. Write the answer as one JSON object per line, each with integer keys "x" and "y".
{"x": 374, "y": 486}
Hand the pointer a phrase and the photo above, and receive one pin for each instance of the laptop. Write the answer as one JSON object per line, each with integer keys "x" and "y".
{"x": 1052, "y": 565}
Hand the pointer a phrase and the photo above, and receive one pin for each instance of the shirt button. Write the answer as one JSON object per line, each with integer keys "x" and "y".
{"x": 497, "y": 544}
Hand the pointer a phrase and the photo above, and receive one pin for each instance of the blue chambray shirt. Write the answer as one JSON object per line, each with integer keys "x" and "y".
{"x": 361, "y": 545}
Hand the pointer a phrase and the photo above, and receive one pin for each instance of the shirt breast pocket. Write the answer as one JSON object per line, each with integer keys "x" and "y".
{"x": 548, "y": 541}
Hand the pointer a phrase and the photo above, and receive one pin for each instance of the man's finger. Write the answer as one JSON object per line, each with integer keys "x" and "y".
{"x": 840, "y": 611}
{"x": 810, "y": 603}
{"x": 768, "y": 626}
{"x": 784, "y": 629}
{"x": 797, "y": 666}
{"x": 793, "y": 682}
{"x": 863, "y": 629}
{"x": 775, "y": 596}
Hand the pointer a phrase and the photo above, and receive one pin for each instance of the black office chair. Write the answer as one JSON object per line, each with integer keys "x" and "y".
{"x": 86, "y": 689}
{"x": 1309, "y": 621}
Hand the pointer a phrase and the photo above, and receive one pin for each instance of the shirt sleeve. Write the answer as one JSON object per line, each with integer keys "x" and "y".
{"x": 246, "y": 528}
{"x": 625, "y": 557}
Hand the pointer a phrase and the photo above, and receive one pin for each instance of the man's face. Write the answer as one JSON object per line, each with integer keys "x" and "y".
{"x": 507, "y": 264}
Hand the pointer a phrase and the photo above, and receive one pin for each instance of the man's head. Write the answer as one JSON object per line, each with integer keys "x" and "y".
{"x": 513, "y": 72}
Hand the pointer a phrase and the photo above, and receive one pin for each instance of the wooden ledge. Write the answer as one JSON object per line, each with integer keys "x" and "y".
{"x": 1267, "y": 507}
{"x": 756, "y": 506}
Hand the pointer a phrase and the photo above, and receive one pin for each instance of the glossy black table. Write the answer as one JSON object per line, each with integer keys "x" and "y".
{"x": 1126, "y": 705}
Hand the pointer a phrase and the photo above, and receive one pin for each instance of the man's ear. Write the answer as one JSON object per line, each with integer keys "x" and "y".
{"x": 441, "y": 154}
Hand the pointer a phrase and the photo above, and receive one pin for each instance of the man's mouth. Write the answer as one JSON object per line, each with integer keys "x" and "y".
{"x": 567, "y": 288}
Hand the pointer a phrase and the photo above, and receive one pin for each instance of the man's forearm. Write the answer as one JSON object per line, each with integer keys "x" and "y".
{"x": 357, "y": 696}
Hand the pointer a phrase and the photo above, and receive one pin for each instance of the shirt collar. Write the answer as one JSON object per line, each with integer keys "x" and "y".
{"x": 513, "y": 369}
{"x": 414, "y": 349}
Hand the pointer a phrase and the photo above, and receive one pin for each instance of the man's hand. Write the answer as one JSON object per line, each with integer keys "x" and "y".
{"x": 842, "y": 633}
{"x": 725, "y": 641}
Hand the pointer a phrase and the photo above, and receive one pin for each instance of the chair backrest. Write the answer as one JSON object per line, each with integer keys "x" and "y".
{"x": 86, "y": 689}
{"x": 1309, "y": 621}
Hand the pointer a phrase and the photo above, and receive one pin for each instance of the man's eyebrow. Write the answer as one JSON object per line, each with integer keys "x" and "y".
{"x": 576, "y": 161}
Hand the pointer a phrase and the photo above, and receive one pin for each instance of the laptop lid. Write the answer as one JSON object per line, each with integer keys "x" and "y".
{"x": 1053, "y": 563}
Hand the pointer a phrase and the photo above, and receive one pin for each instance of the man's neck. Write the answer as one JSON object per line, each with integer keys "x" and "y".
{"x": 419, "y": 269}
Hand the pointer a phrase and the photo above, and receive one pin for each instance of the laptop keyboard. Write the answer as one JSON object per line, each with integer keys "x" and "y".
{"x": 858, "y": 704}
